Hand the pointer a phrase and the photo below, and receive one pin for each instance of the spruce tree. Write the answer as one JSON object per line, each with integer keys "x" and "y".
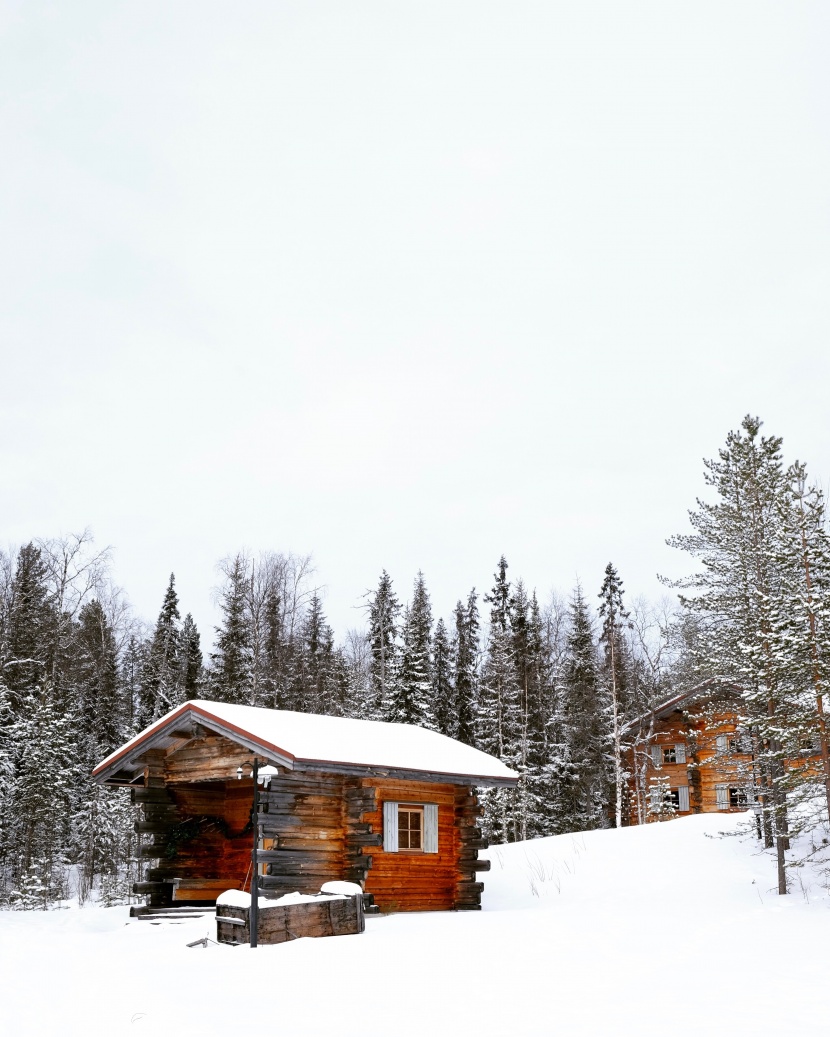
{"x": 29, "y": 627}
{"x": 162, "y": 677}
{"x": 99, "y": 707}
{"x": 614, "y": 676}
{"x": 190, "y": 676}
{"x": 465, "y": 653}
{"x": 316, "y": 677}
{"x": 384, "y": 610}
{"x": 581, "y": 718}
{"x": 411, "y": 700}
{"x": 445, "y": 706}
{"x": 499, "y": 714}
{"x": 231, "y": 662}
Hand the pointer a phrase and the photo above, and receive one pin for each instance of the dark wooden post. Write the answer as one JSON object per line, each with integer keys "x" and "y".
{"x": 253, "y": 914}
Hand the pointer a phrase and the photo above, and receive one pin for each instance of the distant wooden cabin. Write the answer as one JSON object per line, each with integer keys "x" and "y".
{"x": 690, "y": 752}
{"x": 389, "y": 806}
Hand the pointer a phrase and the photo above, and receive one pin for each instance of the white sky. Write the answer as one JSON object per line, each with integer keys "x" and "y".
{"x": 404, "y": 284}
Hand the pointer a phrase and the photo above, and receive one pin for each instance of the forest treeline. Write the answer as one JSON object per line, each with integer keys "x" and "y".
{"x": 550, "y": 687}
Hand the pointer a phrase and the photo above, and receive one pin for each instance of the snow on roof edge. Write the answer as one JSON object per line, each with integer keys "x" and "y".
{"x": 443, "y": 755}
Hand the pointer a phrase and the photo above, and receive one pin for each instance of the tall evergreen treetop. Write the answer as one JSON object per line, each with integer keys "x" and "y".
{"x": 384, "y": 610}
{"x": 232, "y": 660}
{"x": 411, "y": 701}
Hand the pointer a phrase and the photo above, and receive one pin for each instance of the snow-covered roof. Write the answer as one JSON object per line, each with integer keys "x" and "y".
{"x": 289, "y": 738}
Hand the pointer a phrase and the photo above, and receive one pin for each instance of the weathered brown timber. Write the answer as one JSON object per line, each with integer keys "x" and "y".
{"x": 279, "y": 924}
{"x": 424, "y": 881}
{"x": 316, "y": 825}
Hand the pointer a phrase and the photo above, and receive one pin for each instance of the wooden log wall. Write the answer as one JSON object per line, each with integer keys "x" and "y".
{"x": 317, "y": 826}
{"x": 441, "y": 881}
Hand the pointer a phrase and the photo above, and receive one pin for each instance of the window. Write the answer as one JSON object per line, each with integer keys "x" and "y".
{"x": 666, "y": 800}
{"x": 410, "y": 827}
{"x": 738, "y": 799}
{"x": 661, "y": 754}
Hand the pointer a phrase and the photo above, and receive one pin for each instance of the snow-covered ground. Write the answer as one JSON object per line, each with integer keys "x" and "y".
{"x": 669, "y": 928}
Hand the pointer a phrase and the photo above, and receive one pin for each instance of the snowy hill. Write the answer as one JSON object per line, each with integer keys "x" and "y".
{"x": 668, "y": 927}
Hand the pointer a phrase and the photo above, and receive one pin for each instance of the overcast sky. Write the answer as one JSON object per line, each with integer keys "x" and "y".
{"x": 404, "y": 285}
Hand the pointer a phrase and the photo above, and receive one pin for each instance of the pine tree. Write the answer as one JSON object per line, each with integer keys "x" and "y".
{"x": 190, "y": 674}
{"x": 580, "y": 713}
{"x": 99, "y": 709}
{"x": 162, "y": 676}
{"x": 29, "y": 627}
{"x": 384, "y": 610}
{"x": 410, "y": 702}
{"x": 231, "y": 662}
{"x": 466, "y": 652}
{"x": 737, "y": 542}
{"x": 316, "y": 680}
{"x": 615, "y": 677}
{"x": 445, "y": 706}
{"x": 499, "y": 719}
{"x": 531, "y": 676}
{"x": 132, "y": 669}
{"x": 800, "y": 623}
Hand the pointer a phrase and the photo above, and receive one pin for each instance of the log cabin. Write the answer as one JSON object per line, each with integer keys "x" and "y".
{"x": 690, "y": 755}
{"x": 392, "y": 807}
{"x": 694, "y": 754}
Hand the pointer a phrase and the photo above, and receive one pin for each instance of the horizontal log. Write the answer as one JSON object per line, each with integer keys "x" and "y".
{"x": 364, "y": 840}
{"x": 210, "y": 893}
{"x": 152, "y": 851}
{"x": 149, "y": 795}
{"x": 275, "y": 856}
{"x": 153, "y": 827}
{"x": 323, "y": 871}
{"x": 152, "y": 887}
{"x": 470, "y": 887}
{"x": 482, "y": 865}
{"x": 298, "y": 844}
{"x": 474, "y": 845}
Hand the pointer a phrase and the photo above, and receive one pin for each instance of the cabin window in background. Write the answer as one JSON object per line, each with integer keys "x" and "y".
{"x": 738, "y": 799}
{"x": 410, "y": 827}
{"x": 669, "y": 754}
{"x": 721, "y": 743}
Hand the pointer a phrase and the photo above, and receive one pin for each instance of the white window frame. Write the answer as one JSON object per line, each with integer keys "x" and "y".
{"x": 391, "y": 835}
